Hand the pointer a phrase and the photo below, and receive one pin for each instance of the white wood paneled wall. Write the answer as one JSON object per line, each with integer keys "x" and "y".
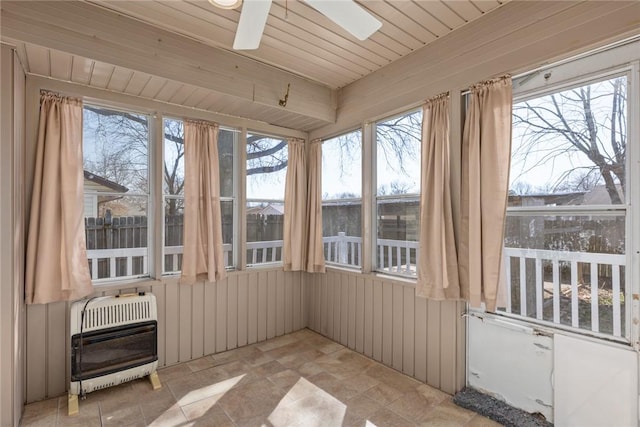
{"x": 382, "y": 319}
{"x": 12, "y": 224}
{"x": 193, "y": 321}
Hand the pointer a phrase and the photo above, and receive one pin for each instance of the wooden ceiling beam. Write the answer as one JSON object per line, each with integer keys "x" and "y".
{"x": 93, "y": 32}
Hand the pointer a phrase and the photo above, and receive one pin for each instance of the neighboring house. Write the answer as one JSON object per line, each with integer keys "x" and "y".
{"x": 94, "y": 203}
{"x": 269, "y": 209}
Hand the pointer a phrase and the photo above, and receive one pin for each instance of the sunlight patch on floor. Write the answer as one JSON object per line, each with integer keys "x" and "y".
{"x": 307, "y": 405}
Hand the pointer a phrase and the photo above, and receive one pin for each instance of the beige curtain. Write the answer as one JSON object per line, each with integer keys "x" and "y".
{"x": 486, "y": 157}
{"x": 57, "y": 264}
{"x": 303, "y": 248}
{"x": 294, "y": 256}
{"x": 438, "y": 262}
{"x": 203, "y": 255}
{"x": 315, "y": 247}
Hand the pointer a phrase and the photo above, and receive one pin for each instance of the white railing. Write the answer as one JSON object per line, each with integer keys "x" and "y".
{"x": 577, "y": 263}
{"x": 125, "y": 255}
{"x": 398, "y": 256}
{"x": 265, "y": 251}
{"x": 173, "y": 252}
{"x": 343, "y": 249}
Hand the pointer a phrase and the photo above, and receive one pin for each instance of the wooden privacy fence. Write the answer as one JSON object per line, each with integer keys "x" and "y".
{"x": 117, "y": 233}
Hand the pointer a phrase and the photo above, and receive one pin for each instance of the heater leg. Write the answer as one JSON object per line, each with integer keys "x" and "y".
{"x": 155, "y": 380}
{"x": 72, "y": 404}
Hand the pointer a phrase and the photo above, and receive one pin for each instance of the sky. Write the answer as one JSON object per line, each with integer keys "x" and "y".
{"x": 539, "y": 170}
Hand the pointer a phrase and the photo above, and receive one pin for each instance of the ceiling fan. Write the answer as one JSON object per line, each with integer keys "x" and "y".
{"x": 253, "y": 17}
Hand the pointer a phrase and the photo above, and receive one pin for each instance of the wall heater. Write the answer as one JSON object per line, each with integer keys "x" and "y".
{"x": 114, "y": 339}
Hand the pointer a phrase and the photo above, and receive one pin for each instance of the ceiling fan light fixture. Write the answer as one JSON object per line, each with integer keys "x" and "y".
{"x": 226, "y": 4}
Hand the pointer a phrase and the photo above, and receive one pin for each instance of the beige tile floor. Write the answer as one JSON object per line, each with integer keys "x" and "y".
{"x": 301, "y": 379}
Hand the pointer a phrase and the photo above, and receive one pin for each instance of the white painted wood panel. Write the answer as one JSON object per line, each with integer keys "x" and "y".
{"x": 387, "y": 323}
{"x": 159, "y": 291}
{"x": 12, "y": 222}
{"x": 192, "y": 321}
{"x": 243, "y": 301}
{"x": 210, "y": 323}
{"x": 197, "y": 320}
{"x": 263, "y": 285}
{"x": 594, "y": 384}
{"x": 232, "y": 312}
{"x": 61, "y": 65}
{"x": 344, "y": 310}
{"x": 172, "y": 335}
{"x": 252, "y": 312}
{"x": 420, "y": 340}
{"x": 221, "y": 315}
{"x": 499, "y": 349}
{"x": 184, "y": 322}
{"x": 359, "y": 315}
{"x": 395, "y": 327}
{"x": 408, "y": 331}
{"x": 271, "y": 303}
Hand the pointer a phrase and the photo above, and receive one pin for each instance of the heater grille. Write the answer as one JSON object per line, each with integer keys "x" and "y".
{"x": 108, "y": 312}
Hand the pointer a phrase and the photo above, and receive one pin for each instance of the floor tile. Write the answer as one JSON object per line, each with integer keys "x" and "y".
{"x": 301, "y": 379}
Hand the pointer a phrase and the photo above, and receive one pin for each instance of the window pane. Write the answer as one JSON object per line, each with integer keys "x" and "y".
{"x": 264, "y": 232}
{"x": 568, "y": 270}
{"x": 173, "y": 234}
{"x": 173, "y": 157}
{"x": 226, "y": 141}
{"x": 116, "y": 188}
{"x": 173, "y": 189}
{"x": 226, "y": 209}
{"x": 115, "y": 148}
{"x": 341, "y": 193}
{"x": 569, "y": 147}
{"x": 117, "y": 241}
{"x": 266, "y": 174}
{"x": 398, "y": 233}
{"x": 342, "y": 167}
{"x": 398, "y": 155}
{"x": 266, "y": 167}
{"x": 398, "y": 174}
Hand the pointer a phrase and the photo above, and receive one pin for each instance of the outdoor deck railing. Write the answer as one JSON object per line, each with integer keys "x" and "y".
{"x": 555, "y": 286}
{"x": 398, "y": 256}
{"x": 574, "y": 280}
{"x": 343, "y": 249}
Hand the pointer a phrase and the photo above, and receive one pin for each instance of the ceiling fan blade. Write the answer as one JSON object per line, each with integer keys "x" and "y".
{"x": 349, "y": 15}
{"x": 251, "y": 25}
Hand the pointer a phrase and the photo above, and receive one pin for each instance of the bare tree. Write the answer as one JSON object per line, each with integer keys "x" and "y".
{"x": 589, "y": 120}
{"x": 122, "y": 153}
{"x": 399, "y": 139}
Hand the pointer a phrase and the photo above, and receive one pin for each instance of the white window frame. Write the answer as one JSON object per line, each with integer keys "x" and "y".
{"x": 622, "y": 59}
{"x": 373, "y": 179}
{"x": 361, "y": 250}
{"x": 247, "y": 200}
{"x": 151, "y": 195}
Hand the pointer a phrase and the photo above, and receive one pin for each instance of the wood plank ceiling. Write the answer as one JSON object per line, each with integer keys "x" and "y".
{"x": 297, "y": 41}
